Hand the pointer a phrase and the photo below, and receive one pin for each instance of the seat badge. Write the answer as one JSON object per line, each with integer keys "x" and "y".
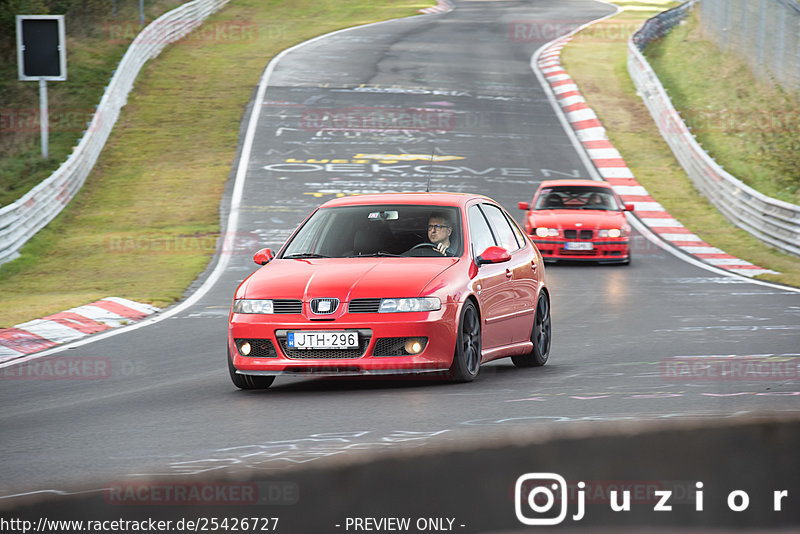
{"x": 325, "y": 306}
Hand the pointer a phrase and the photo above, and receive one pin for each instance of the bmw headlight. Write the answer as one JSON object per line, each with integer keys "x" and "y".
{"x": 544, "y": 231}
{"x": 410, "y": 305}
{"x": 252, "y": 306}
{"x": 613, "y": 232}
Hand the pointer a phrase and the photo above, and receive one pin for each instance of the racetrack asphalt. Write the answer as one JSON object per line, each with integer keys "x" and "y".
{"x": 464, "y": 81}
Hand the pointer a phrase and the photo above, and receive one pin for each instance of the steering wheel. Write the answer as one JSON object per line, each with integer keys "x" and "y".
{"x": 429, "y": 245}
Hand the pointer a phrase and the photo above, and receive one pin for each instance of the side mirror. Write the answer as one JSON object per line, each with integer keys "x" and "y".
{"x": 263, "y": 256}
{"x": 524, "y": 206}
{"x": 629, "y": 207}
{"x": 493, "y": 255}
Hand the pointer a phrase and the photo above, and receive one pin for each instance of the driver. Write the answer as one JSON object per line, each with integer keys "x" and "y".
{"x": 439, "y": 230}
{"x": 596, "y": 200}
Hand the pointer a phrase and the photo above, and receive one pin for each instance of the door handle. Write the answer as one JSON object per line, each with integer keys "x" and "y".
{"x": 509, "y": 274}
{"x": 533, "y": 265}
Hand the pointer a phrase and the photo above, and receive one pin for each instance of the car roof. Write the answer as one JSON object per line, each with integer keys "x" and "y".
{"x": 431, "y": 199}
{"x": 570, "y": 183}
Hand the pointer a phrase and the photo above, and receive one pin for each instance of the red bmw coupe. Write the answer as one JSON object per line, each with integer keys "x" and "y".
{"x": 392, "y": 284}
{"x": 579, "y": 220}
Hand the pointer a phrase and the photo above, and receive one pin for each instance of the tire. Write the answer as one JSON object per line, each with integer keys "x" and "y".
{"x": 541, "y": 336}
{"x": 467, "y": 357}
{"x": 247, "y": 381}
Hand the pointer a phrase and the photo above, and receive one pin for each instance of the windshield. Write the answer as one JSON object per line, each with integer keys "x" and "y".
{"x": 383, "y": 230}
{"x": 577, "y": 197}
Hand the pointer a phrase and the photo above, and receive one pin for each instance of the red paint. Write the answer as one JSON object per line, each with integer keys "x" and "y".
{"x": 23, "y": 341}
{"x": 78, "y": 322}
{"x": 119, "y": 309}
{"x": 606, "y": 249}
{"x": 506, "y": 298}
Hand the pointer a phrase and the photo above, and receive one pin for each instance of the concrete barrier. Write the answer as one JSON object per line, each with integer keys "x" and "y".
{"x": 473, "y": 485}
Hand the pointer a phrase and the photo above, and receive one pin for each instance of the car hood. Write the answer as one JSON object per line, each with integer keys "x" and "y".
{"x": 345, "y": 279}
{"x": 590, "y": 219}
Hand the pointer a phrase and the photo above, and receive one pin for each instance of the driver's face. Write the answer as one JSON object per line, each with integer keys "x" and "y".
{"x": 438, "y": 231}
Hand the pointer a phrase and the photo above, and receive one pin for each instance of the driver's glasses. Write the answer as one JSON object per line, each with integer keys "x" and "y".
{"x": 437, "y": 227}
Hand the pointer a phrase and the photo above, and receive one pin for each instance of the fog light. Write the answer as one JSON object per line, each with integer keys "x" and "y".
{"x": 413, "y": 346}
{"x": 245, "y": 348}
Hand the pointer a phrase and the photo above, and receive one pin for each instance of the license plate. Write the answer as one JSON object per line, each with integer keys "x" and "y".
{"x": 575, "y": 245}
{"x": 323, "y": 340}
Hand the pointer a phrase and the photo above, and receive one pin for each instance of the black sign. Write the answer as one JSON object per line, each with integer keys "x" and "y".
{"x": 41, "y": 54}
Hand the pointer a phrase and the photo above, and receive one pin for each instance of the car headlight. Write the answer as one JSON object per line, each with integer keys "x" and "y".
{"x": 544, "y": 231}
{"x": 410, "y": 305}
{"x": 613, "y": 232}
{"x": 252, "y": 306}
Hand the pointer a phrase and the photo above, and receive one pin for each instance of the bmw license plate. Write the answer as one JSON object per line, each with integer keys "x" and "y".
{"x": 578, "y": 245}
{"x": 323, "y": 340}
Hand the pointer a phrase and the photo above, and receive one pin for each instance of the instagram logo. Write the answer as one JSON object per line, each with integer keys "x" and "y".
{"x": 536, "y": 495}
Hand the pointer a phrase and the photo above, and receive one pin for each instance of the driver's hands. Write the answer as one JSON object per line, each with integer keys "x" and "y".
{"x": 441, "y": 249}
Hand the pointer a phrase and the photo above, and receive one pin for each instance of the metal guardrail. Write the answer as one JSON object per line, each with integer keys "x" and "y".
{"x": 21, "y": 220}
{"x": 773, "y": 221}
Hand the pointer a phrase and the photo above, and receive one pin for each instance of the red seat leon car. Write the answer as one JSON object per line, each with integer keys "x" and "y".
{"x": 392, "y": 284}
{"x": 580, "y": 220}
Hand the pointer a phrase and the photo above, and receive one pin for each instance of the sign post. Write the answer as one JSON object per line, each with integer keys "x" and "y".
{"x": 41, "y": 56}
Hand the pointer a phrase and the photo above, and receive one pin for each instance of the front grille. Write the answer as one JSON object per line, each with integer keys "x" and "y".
{"x": 287, "y": 306}
{"x": 364, "y": 306}
{"x": 394, "y": 346}
{"x": 364, "y": 337}
{"x": 324, "y": 306}
{"x": 260, "y": 348}
{"x": 572, "y": 234}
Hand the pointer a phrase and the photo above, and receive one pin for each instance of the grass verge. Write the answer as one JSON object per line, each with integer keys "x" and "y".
{"x": 750, "y": 126}
{"x": 146, "y": 221}
{"x": 599, "y": 67}
{"x": 95, "y": 45}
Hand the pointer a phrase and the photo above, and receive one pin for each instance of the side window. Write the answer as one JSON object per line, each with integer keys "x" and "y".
{"x": 501, "y": 227}
{"x": 480, "y": 234}
{"x": 517, "y": 232}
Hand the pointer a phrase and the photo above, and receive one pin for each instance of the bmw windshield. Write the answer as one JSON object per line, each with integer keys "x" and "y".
{"x": 576, "y": 198}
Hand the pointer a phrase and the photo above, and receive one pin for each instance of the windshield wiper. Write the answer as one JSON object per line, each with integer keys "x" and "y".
{"x": 379, "y": 253}
{"x": 304, "y": 255}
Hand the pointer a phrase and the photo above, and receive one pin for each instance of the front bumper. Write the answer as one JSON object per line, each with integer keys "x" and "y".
{"x": 605, "y": 250}
{"x": 377, "y": 354}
